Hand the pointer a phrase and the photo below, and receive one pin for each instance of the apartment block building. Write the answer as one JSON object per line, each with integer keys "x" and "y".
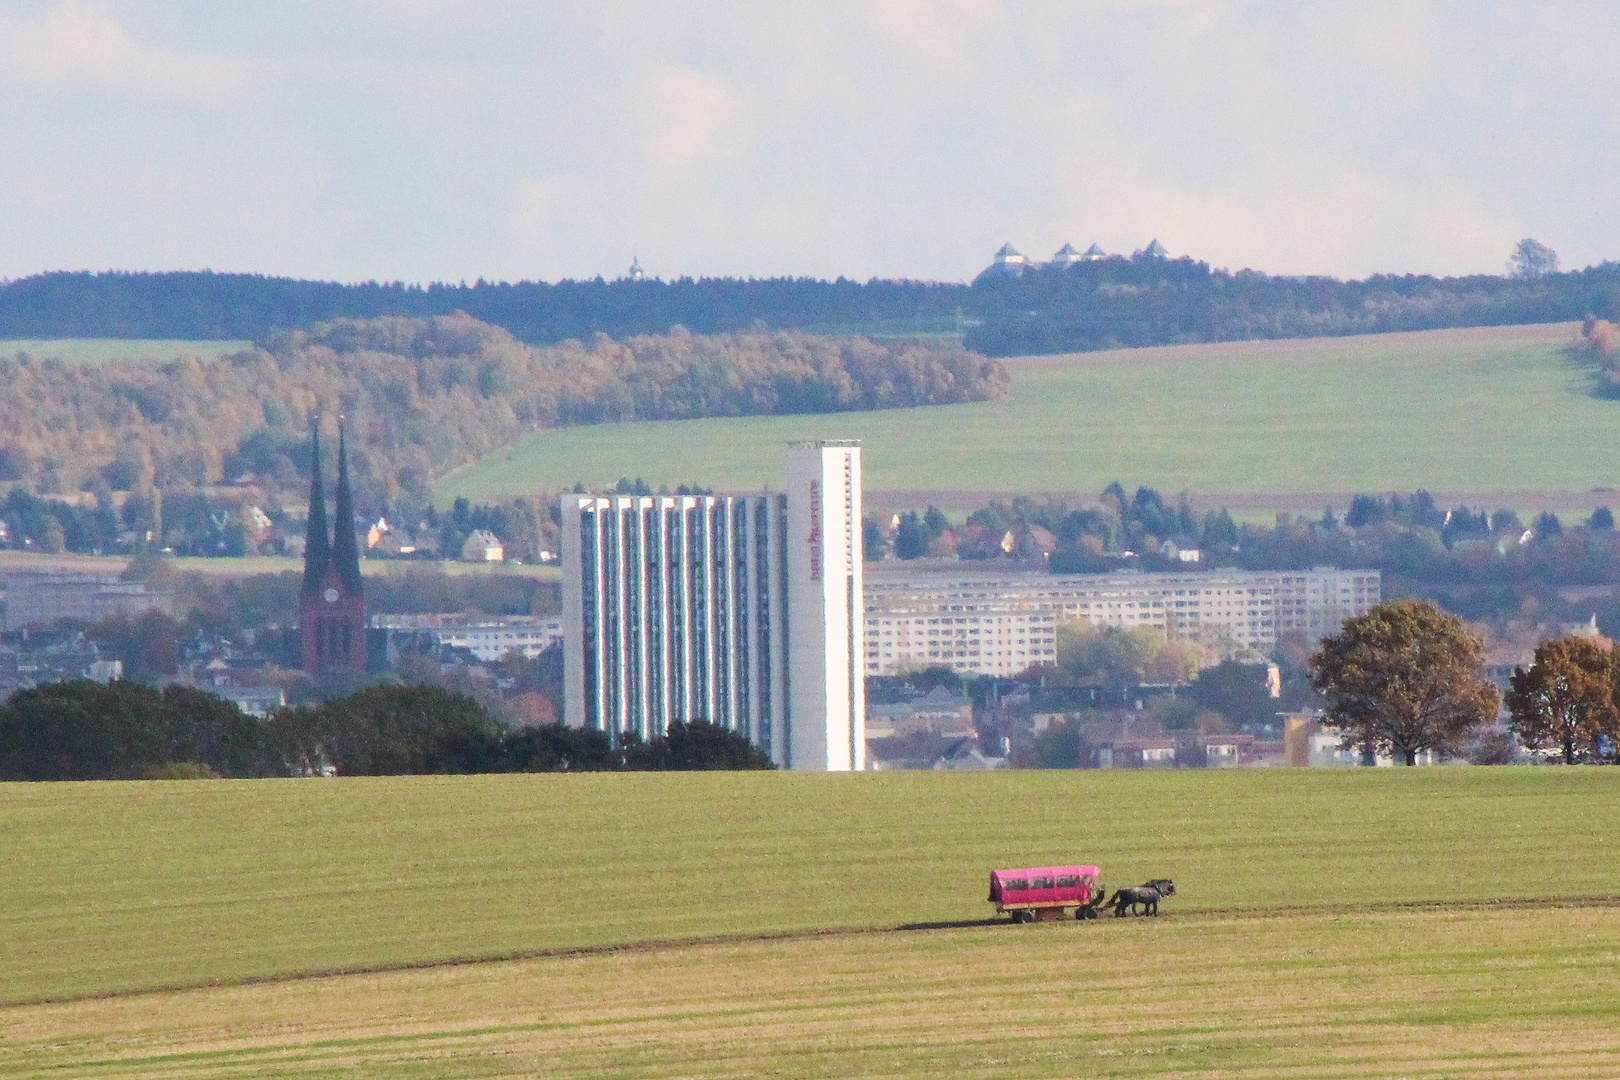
{"x": 487, "y": 639}
{"x": 41, "y": 598}
{"x": 742, "y": 610}
{"x": 999, "y": 622}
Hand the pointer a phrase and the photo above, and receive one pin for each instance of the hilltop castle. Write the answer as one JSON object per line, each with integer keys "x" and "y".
{"x": 1010, "y": 262}
{"x": 332, "y": 603}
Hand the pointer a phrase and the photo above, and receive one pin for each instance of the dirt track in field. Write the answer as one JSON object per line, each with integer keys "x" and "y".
{"x": 662, "y": 944}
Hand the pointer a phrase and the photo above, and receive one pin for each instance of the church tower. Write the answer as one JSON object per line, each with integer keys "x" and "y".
{"x": 332, "y": 603}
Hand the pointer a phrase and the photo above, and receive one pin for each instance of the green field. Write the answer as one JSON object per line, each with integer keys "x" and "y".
{"x": 102, "y": 350}
{"x": 1499, "y": 409}
{"x": 1443, "y": 922}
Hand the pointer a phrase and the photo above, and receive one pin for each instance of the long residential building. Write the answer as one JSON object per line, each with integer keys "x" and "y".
{"x": 742, "y": 610}
{"x": 42, "y": 598}
{"x": 490, "y": 638}
{"x": 1000, "y": 622}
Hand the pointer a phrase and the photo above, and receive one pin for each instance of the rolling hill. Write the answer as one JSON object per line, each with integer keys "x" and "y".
{"x": 1492, "y": 409}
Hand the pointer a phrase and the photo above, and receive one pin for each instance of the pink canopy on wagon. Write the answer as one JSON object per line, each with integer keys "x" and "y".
{"x": 1044, "y": 885}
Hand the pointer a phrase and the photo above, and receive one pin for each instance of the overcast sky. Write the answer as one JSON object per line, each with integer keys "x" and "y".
{"x": 448, "y": 139}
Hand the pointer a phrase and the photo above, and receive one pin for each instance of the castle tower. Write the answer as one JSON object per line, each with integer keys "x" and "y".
{"x": 332, "y": 604}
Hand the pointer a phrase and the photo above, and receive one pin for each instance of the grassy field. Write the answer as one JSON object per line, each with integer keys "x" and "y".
{"x": 1498, "y": 409}
{"x": 1457, "y": 922}
{"x": 101, "y": 350}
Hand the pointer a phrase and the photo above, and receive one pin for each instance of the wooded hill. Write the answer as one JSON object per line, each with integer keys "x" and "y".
{"x": 1118, "y": 302}
{"x": 1103, "y": 303}
{"x": 425, "y": 395}
{"x": 209, "y": 306}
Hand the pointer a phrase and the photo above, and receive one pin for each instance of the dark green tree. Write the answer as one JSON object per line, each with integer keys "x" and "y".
{"x": 697, "y": 745}
{"x": 396, "y": 731}
{"x": 556, "y": 748}
{"x": 86, "y": 730}
{"x": 874, "y": 545}
{"x": 1239, "y": 692}
{"x": 911, "y": 538}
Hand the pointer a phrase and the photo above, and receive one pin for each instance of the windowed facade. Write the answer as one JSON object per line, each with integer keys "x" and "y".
{"x": 673, "y": 601}
{"x": 999, "y": 623}
{"x": 745, "y": 611}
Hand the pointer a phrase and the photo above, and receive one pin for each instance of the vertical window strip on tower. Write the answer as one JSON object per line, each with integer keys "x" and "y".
{"x": 762, "y": 568}
{"x": 787, "y": 619}
{"x": 590, "y": 596}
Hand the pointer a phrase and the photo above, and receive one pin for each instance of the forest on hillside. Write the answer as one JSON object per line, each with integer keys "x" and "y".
{"x": 1120, "y": 302}
{"x": 422, "y": 396}
{"x": 1112, "y": 302}
{"x": 208, "y": 306}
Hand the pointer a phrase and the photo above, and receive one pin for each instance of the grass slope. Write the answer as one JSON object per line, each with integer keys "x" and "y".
{"x": 1444, "y": 995}
{"x": 102, "y": 350}
{"x": 1498, "y": 409}
{"x": 1292, "y": 949}
{"x": 115, "y": 887}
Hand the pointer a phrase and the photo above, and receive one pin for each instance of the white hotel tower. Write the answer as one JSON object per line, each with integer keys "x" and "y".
{"x": 743, "y": 610}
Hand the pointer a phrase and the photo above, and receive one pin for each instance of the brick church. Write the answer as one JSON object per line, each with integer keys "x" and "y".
{"x": 332, "y": 604}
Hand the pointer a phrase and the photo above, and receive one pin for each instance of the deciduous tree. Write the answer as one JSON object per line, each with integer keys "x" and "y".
{"x": 1532, "y": 259}
{"x": 1404, "y": 678}
{"x": 1565, "y": 698}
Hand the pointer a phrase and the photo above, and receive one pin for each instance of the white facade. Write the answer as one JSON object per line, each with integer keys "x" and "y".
{"x": 826, "y": 597}
{"x": 999, "y": 622}
{"x": 740, "y": 610}
{"x": 1003, "y": 641}
{"x": 487, "y": 639}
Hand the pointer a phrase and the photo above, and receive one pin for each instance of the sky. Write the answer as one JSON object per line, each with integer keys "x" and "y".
{"x": 447, "y": 140}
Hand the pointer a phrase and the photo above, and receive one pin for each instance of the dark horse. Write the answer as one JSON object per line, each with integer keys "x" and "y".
{"x": 1147, "y": 895}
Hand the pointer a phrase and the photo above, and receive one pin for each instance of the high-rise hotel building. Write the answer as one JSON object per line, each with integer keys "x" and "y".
{"x": 742, "y": 610}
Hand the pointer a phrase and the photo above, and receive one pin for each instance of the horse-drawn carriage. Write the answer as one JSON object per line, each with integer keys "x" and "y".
{"x": 1039, "y": 895}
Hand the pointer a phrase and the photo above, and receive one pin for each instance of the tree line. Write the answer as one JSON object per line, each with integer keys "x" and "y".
{"x": 1120, "y": 302}
{"x": 1145, "y": 299}
{"x": 423, "y": 395}
{"x": 126, "y": 730}
{"x": 203, "y": 305}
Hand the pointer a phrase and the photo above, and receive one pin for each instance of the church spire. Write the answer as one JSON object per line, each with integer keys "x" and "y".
{"x": 317, "y": 542}
{"x": 345, "y": 548}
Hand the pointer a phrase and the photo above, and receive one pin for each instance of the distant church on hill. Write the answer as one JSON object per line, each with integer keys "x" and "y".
{"x": 332, "y": 604}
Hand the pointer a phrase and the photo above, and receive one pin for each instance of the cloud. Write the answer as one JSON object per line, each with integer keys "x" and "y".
{"x": 75, "y": 44}
{"x": 943, "y": 33}
{"x": 540, "y": 206}
{"x": 425, "y": 139}
{"x": 693, "y": 117}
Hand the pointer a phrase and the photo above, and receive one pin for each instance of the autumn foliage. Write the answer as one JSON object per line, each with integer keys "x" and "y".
{"x": 1404, "y": 678}
{"x": 1566, "y": 698}
{"x": 425, "y": 395}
